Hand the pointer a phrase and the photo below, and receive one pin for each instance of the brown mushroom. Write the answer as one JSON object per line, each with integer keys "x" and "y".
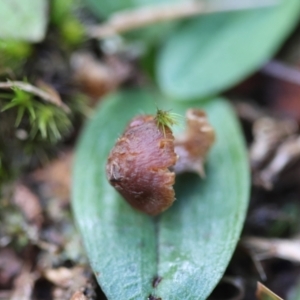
{"x": 138, "y": 166}
{"x": 143, "y": 163}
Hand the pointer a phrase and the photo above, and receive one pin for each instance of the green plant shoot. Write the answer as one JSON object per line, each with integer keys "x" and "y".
{"x": 165, "y": 118}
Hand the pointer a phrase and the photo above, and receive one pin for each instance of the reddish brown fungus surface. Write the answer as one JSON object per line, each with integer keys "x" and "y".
{"x": 143, "y": 163}
{"x": 138, "y": 166}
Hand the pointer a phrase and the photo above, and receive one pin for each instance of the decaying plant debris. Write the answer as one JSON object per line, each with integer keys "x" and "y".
{"x": 41, "y": 256}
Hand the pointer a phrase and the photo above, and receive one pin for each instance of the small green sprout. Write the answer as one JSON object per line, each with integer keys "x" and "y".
{"x": 63, "y": 17}
{"x": 51, "y": 122}
{"x": 13, "y": 54}
{"x": 46, "y": 119}
{"x": 165, "y": 118}
{"x": 23, "y": 102}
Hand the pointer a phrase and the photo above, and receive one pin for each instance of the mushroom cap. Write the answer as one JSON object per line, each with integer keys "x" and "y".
{"x": 138, "y": 167}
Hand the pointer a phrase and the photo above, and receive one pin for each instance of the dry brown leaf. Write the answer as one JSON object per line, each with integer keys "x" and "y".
{"x": 24, "y": 284}
{"x": 10, "y": 265}
{"x": 29, "y": 204}
{"x": 263, "y": 293}
{"x": 61, "y": 276}
{"x": 56, "y": 176}
{"x": 248, "y": 111}
{"x": 287, "y": 153}
{"x": 66, "y": 277}
{"x": 284, "y": 84}
{"x": 41, "y": 93}
{"x": 78, "y": 296}
{"x": 263, "y": 248}
{"x": 5, "y": 294}
{"x": 194, "y": 144}
{"x": 96, "y": 77}
{"x": 268, "y": 134}
{"x": 51, "y": 91}
{"x": 68, "y": 281}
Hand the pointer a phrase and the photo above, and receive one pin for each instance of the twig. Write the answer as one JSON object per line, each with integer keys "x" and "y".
{"x": 282, "y": 71}
{"x": 268, "y": 134}
{"x": 27, "y": 87}
{"x": 24, "y": 283}
{"x": 287, "y": 153}
{"x": 258, "y": 265}
{"x": 132, "y": 19}
{"x": 264, "y": 248}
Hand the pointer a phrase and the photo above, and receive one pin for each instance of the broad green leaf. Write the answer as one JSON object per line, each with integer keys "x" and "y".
{"x": 209, "y": 54}
{"x": 188, "y": 246}
{"x": 23, "y": 20}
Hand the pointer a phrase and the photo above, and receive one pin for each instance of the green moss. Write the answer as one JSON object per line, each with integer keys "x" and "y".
{"x": 13, "y": 53}
{"x": 165, "y": 119}
{"x": 63, "y": 18}
{"x": 72, "y": 32}
{"x": 46, "y": 120}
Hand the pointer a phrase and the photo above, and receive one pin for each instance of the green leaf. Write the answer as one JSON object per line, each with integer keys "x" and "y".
{"x": 23, "y": 20}
{"x": 188, "y": 246}
{"x": 209, "y": 54}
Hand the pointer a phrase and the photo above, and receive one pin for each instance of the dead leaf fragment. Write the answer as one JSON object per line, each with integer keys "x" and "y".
{"x": 56, "y": 99}
{"x": 48, "y": 94}
{"x": 56, "y": 176}
{"x": 248, "y": 111}
{"x": 5, "y": 294}
{"x": 24, "y": 285}
{"x": 10, "y": 265}
{"x": 284, "y": 84}
{"x": 287, "y": 153}
{"x": 71, "y": 282}
{"x": 268, "y": 134}
{"x": 263, "y": 293}
{"x": 78, "y": 296}
{"x": 29, "y": 204}
{"x": 97, "y": 77}
{"x": 264, "y": 248}
{"x": 61, "y": 276}
{"x": 194, "y": 144}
